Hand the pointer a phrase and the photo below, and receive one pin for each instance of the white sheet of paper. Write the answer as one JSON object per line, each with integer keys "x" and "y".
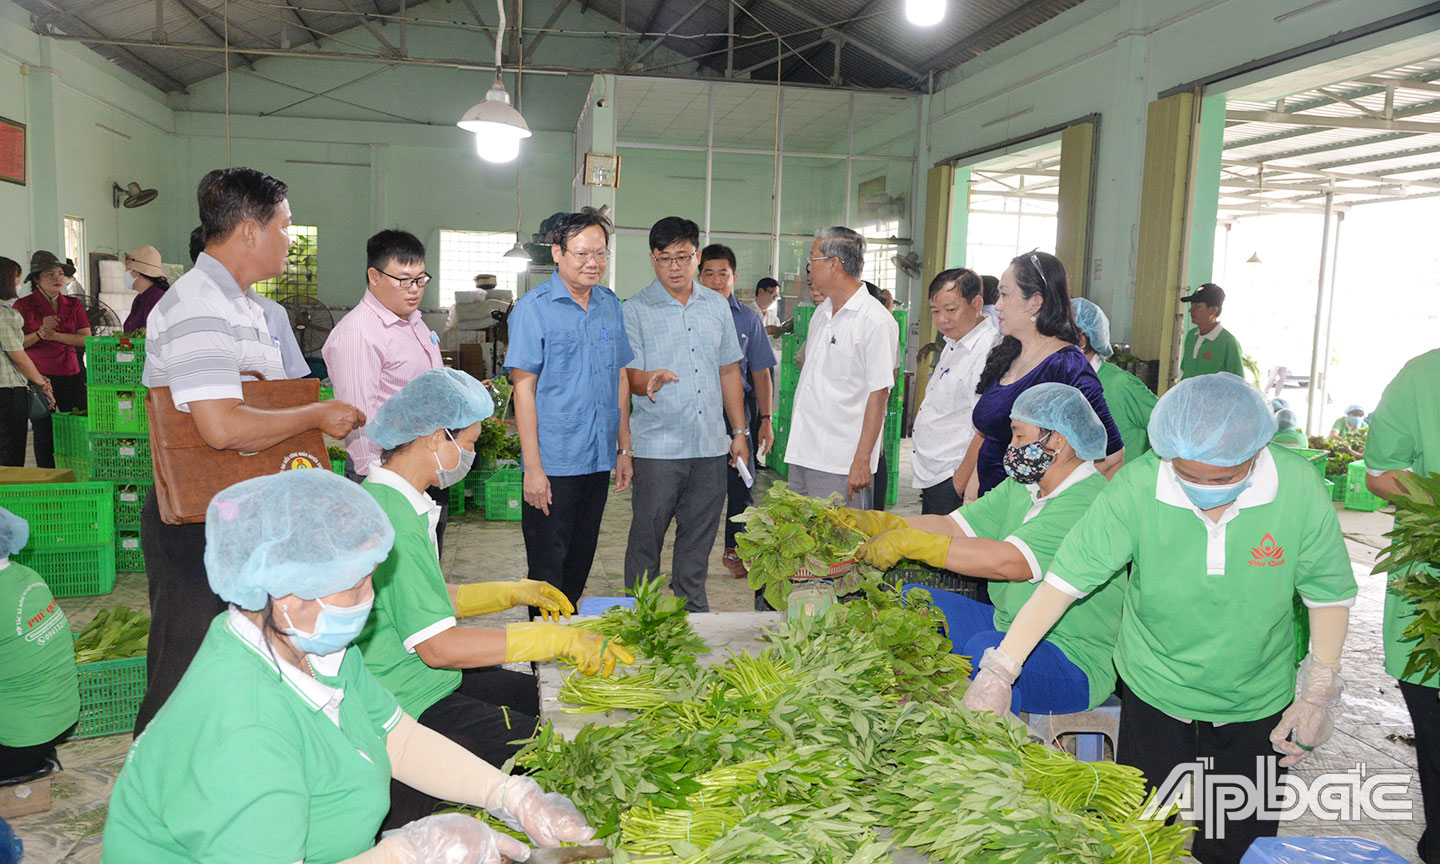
{"x": 744, "y": 473}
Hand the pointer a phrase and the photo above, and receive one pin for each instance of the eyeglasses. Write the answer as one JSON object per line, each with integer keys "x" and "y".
{"x": 673, "y": 263}
{"x": 598, "y": 256}
{"x": 1035, "y": 259}
{"x": 819, "y": 257}
{"x": 418, "y": 282}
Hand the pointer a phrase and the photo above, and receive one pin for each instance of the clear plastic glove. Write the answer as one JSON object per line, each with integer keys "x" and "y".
{"x": 1310, "y": 719}
{"x": 452, "y": 838}
{"x": 871, "y": 522}
{"x": 482, "y": 598}
{"x": 547, "y": 818}
{"x": 991, "y": 686}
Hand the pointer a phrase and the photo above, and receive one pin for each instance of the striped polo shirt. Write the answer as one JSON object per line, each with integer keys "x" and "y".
{"x": 203, "y": 333}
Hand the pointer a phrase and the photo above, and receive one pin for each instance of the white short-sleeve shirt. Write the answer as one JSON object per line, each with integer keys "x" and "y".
{"x": 943, "y": 426}
{"x": 849, "y": 354}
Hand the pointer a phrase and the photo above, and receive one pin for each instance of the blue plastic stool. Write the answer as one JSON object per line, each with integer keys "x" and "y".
{"x": 598, "y": 605}
{"x": 1319, "y": 850}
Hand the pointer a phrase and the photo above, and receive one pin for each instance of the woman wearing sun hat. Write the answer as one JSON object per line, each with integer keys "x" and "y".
{"x": 143, "y": 274}
{"x": 55, "y": 325}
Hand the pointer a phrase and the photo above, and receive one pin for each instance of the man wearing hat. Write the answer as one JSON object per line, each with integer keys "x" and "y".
{"x": 54, "y": 325}
{"x": 144, "y": 275}
{"x": 1209, "y": 348}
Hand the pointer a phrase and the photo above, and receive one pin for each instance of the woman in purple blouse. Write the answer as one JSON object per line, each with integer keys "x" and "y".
{"x": 1039, "y": 345}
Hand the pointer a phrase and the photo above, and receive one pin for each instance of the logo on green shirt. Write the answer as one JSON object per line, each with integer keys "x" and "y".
{"x": 1267, "y": 554}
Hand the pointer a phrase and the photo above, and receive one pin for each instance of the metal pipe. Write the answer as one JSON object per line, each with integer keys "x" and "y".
{"x": 1319, "y": 312}
{"x": 1330, "y": 312}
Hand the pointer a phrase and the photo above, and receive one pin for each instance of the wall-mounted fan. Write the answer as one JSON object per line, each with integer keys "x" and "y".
{"x": 310, "y": 320}
{"x": 909, "y": 264}
{"x": 103, "y": 320}
{"x": 131, "y": 196}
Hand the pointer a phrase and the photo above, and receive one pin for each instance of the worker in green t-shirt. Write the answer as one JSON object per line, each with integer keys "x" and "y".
{"x": 1405, "y": 436}
{"x": 39, "y": 691}
{"x": 1287, "y": 430}
{"x": 1009, "y": 535}
{"x": 278, "y": 745}
{"x": 1209, "y": 347}
{"x": 1220, "y": 531}
{"x": 1130, "y": 401}
{"x": 449, "y": 677}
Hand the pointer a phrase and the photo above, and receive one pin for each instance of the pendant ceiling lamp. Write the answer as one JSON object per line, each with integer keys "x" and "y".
{"x": 497, "y": 126}
{"x": 925, "y": 13}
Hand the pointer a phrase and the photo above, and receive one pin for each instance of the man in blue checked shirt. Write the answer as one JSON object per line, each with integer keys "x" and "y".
{"x": 686, "y": 365}
{"x": 567, "y": 356}
{"x": 717, "y": 272}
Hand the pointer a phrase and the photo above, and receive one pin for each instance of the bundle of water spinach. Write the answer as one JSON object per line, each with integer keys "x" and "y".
{"x": 787, "y": 532}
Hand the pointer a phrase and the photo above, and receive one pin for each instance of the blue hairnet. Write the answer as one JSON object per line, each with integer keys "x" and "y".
{"x": 1216, "y": 419}
{"x": 1278, "y": 404}
{"x": 308, "y": 532}
{"x": 1092, "y": 321}
{"x": 1287, "y": 419}
{"x": 1354, "y": 408}
{"x": 1057, "y": 406}
{"x": 14, "y": 533}
{"x": 438, "y": 399}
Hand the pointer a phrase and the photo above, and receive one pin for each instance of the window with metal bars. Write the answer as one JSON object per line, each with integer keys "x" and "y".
{"x": 466, "y": 254}
{"x": 302, "y": 268}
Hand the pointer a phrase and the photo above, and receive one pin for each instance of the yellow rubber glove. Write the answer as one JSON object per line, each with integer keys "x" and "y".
{"x": 872, "y": 522}
{"x": 884, "y": 550}
{"x": 591, "y": 652}
{"x": 482, "y": 598}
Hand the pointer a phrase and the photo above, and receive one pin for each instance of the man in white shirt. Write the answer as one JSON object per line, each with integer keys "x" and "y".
{"x": 943, "y": 427}
{"x": 767, "y": 292}
{"x": 849, "y": 368}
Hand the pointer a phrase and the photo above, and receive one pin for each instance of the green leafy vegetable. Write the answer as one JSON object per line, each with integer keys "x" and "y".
{"x": 788, "y": 532}
{"x": 658, "y": 627}
{"x": 1413, "y": 559}
{"x": 116, "y": 633}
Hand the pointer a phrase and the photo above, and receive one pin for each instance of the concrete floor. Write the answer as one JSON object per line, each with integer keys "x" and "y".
{"x": 1372, "y": 732}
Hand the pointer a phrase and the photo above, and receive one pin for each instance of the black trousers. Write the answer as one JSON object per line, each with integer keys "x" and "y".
{"x": 491, "y": 709}
{"x": 20, "y": 761}
{"x": 69, "y": 396}
{"x": 560, "y": 548}
{"x": 1156, "y": 743}
{"x": 880, "y": 482}
{"x": 940, "y": 499}
{"x": 181, "y": 604}
{"x": 14, "y": 424}
{"x": 738, "y": 496}
{"x": 1425, "y": 714}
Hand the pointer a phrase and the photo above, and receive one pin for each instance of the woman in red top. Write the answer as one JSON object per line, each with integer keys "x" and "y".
{"x": 55, "y": 325}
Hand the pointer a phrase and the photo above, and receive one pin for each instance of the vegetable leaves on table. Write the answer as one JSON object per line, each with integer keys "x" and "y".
{"x": 1413, "y": 559}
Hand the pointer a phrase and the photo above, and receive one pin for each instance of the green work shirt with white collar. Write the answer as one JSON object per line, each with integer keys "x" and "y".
{"x": 1035, "y": 525}
{"x": 38, "y": 687}
{"x": 253, "y": 760}
{"x": 1131, "y": 404}
{"x": 1208, "y": 631}
{"x": 1405, "y": 436}
{"x": 412, "y": 603}
{"x": 1218, "y": 351}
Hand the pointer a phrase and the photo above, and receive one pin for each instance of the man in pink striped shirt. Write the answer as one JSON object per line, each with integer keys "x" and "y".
{"x": 383, "y": 344}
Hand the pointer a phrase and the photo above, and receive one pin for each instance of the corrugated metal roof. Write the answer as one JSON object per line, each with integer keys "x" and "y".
{"x": 880, "y": 49}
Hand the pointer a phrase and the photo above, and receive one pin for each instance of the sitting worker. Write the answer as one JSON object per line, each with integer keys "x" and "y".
{"x": 278, "y": 745}
{"x": 449, "y": 677}
{"x": 39, "y": 693}
{"x": 1009, "y": 535}
{"x": 1220, "y": 531}
{"x": 1353, "y": 421}
{"x": 1288, "y": 432}
{"x": 1129, "y": 400}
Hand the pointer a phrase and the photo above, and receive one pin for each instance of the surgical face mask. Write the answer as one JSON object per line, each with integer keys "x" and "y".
{"x": 1209, "y": 497}
{"x": 1027, "y": 464}
{"x": 129, "y": 280}
{"x": 447, "y": 477}
{"x": 335, "y": 627}
{"x": 1353, "y": 421}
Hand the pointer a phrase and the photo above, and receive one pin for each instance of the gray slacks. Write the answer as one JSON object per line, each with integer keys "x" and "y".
{"x": 692, "y": 493}
{"x": 819, "y": 484}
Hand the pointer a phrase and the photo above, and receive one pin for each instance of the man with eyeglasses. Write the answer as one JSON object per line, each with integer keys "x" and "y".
{"x": 686, "y": 366}
{"x": 383, "y": 344}
{"x": 567, "y": 356}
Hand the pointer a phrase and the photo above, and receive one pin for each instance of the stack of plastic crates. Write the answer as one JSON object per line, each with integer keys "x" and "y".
{"x": 110, "y": 695}
{"x": 72, "y": 443}
{"x": 503, "y": 493}
{"x": 1357, "y": 495}
{"x": 119, "y": 437}
{"x": 895, "y": 418}
{"x": 72, "y": 528}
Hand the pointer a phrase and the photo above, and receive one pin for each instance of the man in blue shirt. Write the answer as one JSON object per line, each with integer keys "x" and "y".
{"x": 717, "y": 272}
{"x": 686, "y": 365}
{"x": 567, "y": 356}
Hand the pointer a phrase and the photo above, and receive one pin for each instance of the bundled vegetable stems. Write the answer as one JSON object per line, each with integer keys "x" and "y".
{"x": 845, "y": 725}
{"x": 657, "y": 628}
{"x": 789, "y": 531}
{"x": 1413, "y": 557}
{"x": 117, "y": 633}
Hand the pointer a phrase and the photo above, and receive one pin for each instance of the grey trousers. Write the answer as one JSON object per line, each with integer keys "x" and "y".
{"x": 692, "y": 493}
{"x": 819, "y": 484}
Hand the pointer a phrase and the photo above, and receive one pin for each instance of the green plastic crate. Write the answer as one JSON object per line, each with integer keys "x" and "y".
{"x": 803, "y": 315}
{"x": 110, "y": 694}
{"x": 789, "y": 344}
{"x": 338, "y": 466}
{"x": 789, "y": 379}
{"x": 118, "y": 409}
{"x": 62, "y": 514}
{"x": 1357, "y": 497}
{"x": 503, "y": 493}
{"x": 1317, "y": 458}
{"x": 785, "y": 407}
{"x": 457, "y": 499}
{"x": 120, "y": 456}
{"x": 79, "y": 464}
{"x": 892, "y": 472}
{"x": 326, "y": 393}
{"x": 71, "y": 435}
{"x": 129, "y": 558}
{"x": 129, "y": 499}
{"x": 1337, "y": 489}
{"x": 73, "y": 571}
{"x": 114, "y": 361}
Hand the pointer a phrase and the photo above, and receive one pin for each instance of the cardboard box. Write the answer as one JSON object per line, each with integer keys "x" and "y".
{"x": 25, "y": 798}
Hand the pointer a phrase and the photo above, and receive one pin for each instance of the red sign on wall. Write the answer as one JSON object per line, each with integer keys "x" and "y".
{"x": 12, "y": 151}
